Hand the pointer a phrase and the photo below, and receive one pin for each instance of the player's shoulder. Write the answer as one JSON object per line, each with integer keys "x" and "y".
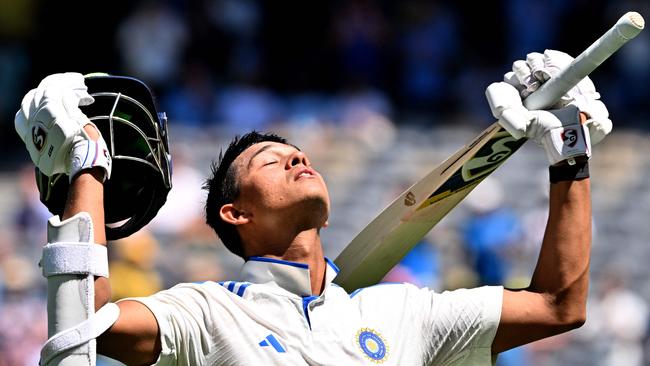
{"x": 236, "y": 287}
{"x": 209, "y": 289}
{"x": 385, "y": 289}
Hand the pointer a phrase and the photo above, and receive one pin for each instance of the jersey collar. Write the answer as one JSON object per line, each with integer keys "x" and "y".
{"x": 291, "y": 276}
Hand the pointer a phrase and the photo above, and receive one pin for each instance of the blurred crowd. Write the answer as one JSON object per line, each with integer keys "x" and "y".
{"x": 247, "y": 63}
{"x": 388, "y": 87}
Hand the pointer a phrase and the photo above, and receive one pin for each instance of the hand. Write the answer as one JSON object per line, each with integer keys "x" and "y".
{"x": 528, "y": 75}
{"x": 89, "y": 153}
{"x": 559, "y": 131}
{"x": 50, "y": 124}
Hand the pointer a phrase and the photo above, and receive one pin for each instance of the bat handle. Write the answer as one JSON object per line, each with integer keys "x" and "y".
{"x": 626, "y": 28}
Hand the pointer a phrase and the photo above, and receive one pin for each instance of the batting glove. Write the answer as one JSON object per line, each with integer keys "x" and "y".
{"x": 50, "y": 124}
{"x": 528, "y": 75}
{"x": 559, "y": 131}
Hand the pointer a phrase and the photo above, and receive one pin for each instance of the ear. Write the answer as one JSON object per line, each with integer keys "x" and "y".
{"x": 326, "y": 224}
{"x": 230, "y": 214}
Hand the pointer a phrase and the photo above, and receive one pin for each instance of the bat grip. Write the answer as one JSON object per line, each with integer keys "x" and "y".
{"x": 625, "y": 29}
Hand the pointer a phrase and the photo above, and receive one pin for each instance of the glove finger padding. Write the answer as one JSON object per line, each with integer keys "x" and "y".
{"x": 72, "y": 81}
{"x": 547, "y": 65}
{"x": 522, "y": 72}
{"x": 511, "y": 78}
{"x": 46, "y": 131}
{"x": 524, "y": 77}
{"x": 538, "y": 68}
{"x": 527, "y": 76}
{"x": 558, "y": 131}
{"x": 50, "y": 121}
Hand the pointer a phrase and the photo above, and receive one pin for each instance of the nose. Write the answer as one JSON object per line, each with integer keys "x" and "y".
{"x": 297, "y": 158}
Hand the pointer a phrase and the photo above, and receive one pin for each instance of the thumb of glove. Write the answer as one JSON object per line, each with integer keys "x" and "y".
{"x": 507, "y": 107}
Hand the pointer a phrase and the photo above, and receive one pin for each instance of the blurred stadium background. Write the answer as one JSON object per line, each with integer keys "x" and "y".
{"x": 378, "y": 93}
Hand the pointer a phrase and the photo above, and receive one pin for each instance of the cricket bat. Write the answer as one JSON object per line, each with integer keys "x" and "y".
{"x": 403, "y": 223}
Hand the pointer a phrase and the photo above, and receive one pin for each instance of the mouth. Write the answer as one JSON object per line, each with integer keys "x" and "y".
{"x": 304, "y": 173}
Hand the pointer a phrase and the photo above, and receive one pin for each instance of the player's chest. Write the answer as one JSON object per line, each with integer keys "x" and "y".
{"x": 286, "y": 331}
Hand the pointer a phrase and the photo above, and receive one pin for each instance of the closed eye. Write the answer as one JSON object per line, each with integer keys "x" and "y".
{"x": 270, "y": 162}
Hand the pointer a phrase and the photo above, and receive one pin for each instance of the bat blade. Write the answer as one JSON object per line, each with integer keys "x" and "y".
{"x": 392, "y": 234}
{"x": 382, "y": 244}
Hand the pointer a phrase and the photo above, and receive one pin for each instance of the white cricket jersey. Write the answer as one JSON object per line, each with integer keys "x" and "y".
{"x": 271, "y": 318}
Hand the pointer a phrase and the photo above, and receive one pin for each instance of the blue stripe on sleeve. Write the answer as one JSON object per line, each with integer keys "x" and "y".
{"x": 231, "y": 286}
{"x": 242, "y": 288}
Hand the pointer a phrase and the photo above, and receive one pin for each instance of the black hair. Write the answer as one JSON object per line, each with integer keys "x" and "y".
{"x": 223, "y": 188}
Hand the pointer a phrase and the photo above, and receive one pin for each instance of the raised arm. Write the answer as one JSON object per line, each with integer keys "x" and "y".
{"x": 555, "y": 301}
{"x": 133, "y": 339}
{"x": 87, "y": 195}
{"x": 63, "y": 143}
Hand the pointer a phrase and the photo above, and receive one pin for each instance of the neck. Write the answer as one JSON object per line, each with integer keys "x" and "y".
{"x": 305, "y": 247}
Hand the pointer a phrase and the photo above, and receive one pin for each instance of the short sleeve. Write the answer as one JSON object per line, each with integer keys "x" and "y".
{"x": 183, "y": 318}
{"x": 461, "y": 324}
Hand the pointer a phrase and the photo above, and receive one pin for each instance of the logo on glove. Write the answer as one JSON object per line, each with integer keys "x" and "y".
{"x": 38, "y": 137}
{"x": 570, "y": 137}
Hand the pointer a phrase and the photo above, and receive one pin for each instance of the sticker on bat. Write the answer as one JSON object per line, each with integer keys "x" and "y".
{"x": 500, "y": 147}
{"x": 481, "y": 165}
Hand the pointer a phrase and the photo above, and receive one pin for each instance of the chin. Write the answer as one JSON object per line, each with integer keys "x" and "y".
{"x": 316, "y": 196}
{"x": 316, "y": 208}
{"x": 318, "y": 203}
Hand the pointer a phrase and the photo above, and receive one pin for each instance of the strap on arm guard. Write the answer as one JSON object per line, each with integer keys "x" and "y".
{"x": 70, "y": 262}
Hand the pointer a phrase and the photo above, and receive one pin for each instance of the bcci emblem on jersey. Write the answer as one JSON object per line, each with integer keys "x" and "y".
{"x": 372, "y": 345}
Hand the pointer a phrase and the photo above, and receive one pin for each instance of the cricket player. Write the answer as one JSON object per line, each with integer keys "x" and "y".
{"x": 268, "y": 203}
